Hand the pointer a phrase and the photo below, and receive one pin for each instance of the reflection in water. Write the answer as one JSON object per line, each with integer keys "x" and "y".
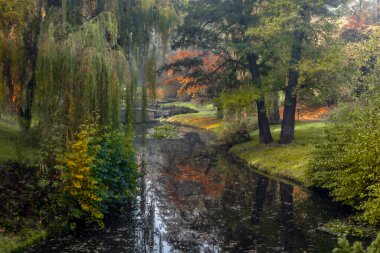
{"x": 192, "y": 200}
{"x": 261, "y": 188}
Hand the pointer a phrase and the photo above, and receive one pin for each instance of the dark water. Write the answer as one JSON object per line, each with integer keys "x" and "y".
{"x": 194, "y": 200}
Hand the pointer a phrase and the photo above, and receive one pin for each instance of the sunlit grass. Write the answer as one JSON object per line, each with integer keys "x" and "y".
{"x": 205, "y": 119}
{"x": 287, "y": 161}
{"x": 204, "y": 107}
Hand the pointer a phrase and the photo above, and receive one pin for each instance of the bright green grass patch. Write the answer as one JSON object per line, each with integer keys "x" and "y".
{"x": 22, "y": 240}
{"x": 287, "y": 161}
{"x": 165, "y": 132}
{"x": 12, "y": 145}
{"x": 205, "y": 118}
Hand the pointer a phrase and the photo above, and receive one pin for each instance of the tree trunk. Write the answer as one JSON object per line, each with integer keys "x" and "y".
{"x": 30, "y": 89}
{"x": 265, "y": 136}
{"x": 31, "y": 41}
{"x": 288, "y": 121}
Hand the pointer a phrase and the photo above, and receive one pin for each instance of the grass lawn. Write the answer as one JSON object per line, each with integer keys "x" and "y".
{"x": 205, "y": 119}
{"x": 11, "y": 145}
{"x": 286, "y": 161}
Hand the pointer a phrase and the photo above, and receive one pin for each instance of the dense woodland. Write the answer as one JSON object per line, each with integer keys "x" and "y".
{"x": 73, "y": 74}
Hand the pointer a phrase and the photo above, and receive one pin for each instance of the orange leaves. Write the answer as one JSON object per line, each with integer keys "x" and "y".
{"x": 192, "y": 90}
{"x": 187, "y": 84}
{"x": 182, "y": 54}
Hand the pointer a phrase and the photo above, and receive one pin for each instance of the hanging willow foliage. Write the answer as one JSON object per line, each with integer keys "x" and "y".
{"x": 81, "y": 72}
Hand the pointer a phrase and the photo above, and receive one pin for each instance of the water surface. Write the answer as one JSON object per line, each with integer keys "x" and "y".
{"x": 194, "y": 199}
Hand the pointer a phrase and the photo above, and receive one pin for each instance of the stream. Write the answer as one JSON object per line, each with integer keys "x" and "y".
{"x": 193, "y": 198}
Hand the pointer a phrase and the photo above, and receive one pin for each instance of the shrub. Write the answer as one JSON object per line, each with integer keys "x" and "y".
{"x": 98, "y": 172}
{"x": 237, "y": 107}
{"x": 345, "y": 247}
{"x": 347, "y": 161}
{"x": 80, "y": 184}
{"x": 115, "y": 169}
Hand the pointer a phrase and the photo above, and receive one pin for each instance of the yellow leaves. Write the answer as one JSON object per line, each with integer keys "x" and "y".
{"x": 81, "y": 188}
{"x": 85, "y": 207}
{"x": 76, "y": 184}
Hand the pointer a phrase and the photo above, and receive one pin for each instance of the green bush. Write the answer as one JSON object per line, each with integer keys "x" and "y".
{"x": 347, "y": 161}
{"x": 115, "y": 169}
{"x": 98, "y": 172}
{"x": 77, "y": 181}
{"x": 237, "y": 108}
{"x": 345, "y": 247}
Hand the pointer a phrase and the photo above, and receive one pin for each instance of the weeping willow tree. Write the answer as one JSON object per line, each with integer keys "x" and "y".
{"x": 144, "y": 27}
{"x": 81, "y": 58}
{"x": 81, "y": 72}
{"x": 140, "y": 22}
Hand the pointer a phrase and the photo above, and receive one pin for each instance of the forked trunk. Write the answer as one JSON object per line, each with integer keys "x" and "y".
{"x": 265, "y": 136}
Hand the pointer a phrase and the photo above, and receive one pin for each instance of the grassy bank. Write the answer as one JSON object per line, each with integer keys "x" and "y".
{"x": 205, "y": 118}
{"x": 25, "y": 238}
{"x": 286, "y": 161}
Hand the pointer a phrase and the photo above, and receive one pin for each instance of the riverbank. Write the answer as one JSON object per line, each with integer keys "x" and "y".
{"x": 283, "y": 161}
{"x": 204, "y": 119}
{"x": 25, "y": 238}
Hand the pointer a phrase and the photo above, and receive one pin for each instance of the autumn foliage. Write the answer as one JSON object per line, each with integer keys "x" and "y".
{"x": 188, "y": 77}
